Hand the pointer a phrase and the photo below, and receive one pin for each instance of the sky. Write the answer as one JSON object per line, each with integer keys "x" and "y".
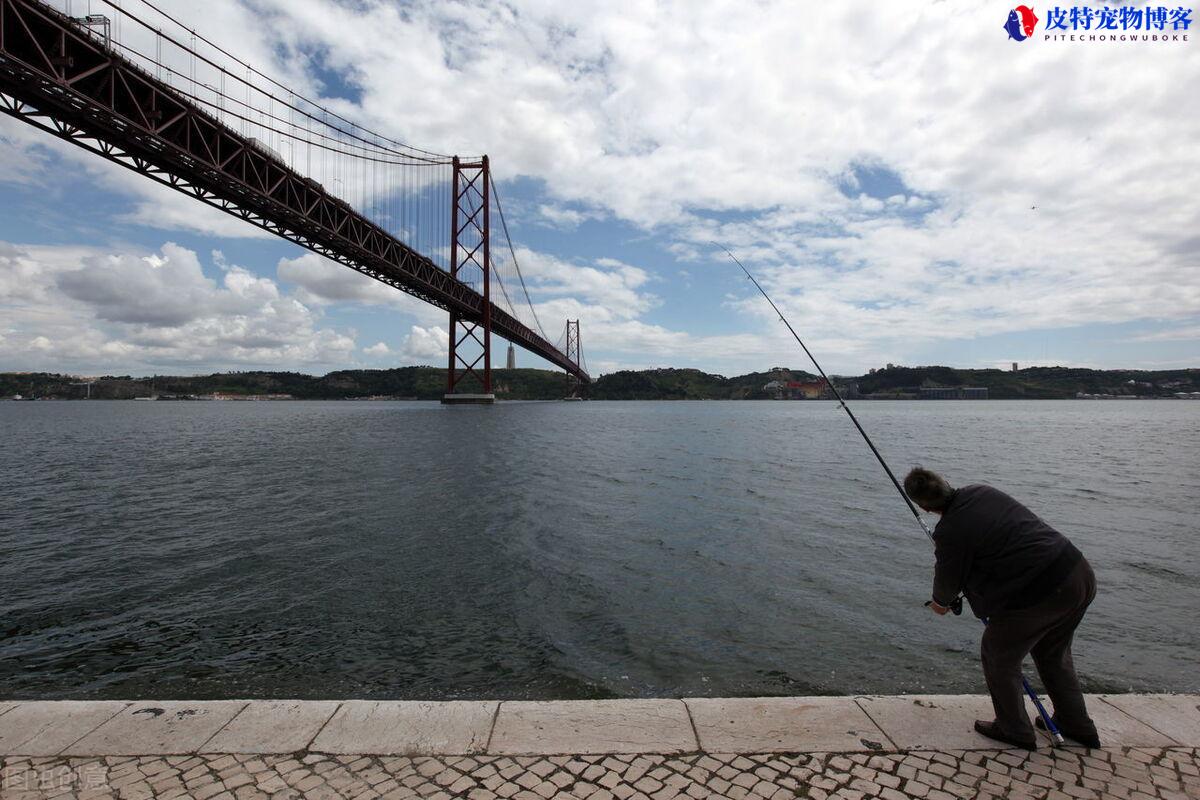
{"x": 909, "y": 183}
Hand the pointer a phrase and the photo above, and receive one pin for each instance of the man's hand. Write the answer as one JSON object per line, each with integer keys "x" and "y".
{"x": 937, "y": 608}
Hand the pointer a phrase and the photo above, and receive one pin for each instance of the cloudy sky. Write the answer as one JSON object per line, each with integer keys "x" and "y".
{"x": 910, "y": 184}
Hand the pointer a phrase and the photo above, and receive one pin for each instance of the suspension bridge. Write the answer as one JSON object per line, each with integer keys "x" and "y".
{"x": 136, "y": 86}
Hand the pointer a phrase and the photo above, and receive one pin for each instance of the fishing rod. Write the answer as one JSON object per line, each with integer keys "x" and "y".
{"x": 916, "y": 514}
{"x": 956, "y": 606}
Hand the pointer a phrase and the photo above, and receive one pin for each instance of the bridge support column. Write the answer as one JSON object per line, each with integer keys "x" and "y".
{"x": 469, "y": 373}
{"x": 574, "y": 355}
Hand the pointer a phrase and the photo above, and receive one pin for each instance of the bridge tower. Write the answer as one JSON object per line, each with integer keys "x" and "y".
{"x": 574, "y": 355}
{"x": 470, "y": 233}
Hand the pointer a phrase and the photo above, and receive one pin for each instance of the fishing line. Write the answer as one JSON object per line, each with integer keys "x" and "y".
{"x": 1055, "y": 734}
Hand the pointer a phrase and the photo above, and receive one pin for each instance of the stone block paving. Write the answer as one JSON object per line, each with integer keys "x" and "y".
{"x": 1137, "y": 773}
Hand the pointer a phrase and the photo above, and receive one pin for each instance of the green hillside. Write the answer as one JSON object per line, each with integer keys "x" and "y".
{"x": 429, "y": 383}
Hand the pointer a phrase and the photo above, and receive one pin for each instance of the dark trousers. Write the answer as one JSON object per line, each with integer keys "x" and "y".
{"x": 1045, "y": 630}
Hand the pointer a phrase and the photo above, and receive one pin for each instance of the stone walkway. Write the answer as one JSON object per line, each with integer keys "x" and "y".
{"x": 885, "y": 747}
{"x": 1141, "y": 773}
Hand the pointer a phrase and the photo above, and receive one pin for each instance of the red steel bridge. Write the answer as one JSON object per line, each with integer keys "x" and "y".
{"x": 137, "y": 87}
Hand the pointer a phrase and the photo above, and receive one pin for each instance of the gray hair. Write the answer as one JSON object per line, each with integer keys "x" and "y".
{"x": 928, "y": 489}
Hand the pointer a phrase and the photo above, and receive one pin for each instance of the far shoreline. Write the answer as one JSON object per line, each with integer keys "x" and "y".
{"x": 428, "y": 383}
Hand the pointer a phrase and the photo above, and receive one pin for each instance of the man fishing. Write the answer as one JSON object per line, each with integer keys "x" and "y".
{"x": 1009, "y": 563}
{"x": 1031, "y": 586}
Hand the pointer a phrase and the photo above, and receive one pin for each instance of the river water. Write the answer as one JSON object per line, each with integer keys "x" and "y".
{"x": 560, "y": 550}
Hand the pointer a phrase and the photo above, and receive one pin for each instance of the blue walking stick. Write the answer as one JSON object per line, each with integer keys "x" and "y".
{"x": 1055, "y": 734}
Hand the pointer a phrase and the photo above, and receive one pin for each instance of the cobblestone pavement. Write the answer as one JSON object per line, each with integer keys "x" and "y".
{"x": 1141, "y": 773}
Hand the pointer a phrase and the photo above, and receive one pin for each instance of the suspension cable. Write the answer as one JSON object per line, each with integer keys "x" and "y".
{"x": 279, "y": 85}
{"x": 436, "y": 158}
{"x": 517, "y": 264}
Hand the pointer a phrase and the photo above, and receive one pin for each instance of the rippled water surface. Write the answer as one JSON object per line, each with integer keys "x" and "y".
{"x": 541, "y": 550}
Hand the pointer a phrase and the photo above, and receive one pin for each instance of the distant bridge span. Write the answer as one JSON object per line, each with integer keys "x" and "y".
{"x": 62, "y": 77}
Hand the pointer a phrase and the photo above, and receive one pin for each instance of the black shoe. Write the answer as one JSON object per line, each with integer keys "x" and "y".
{"x": 1091, "y": 740}
{"x": 992, "y": 731}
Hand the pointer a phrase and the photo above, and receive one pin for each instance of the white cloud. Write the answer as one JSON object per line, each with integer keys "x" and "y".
{"x": 613, "y": 287}
{"x": 69, "y": 308}
{"x": 21, "y": 160}
{"x": 377, "y": 349}
{"x": 425, "y": 345}
{"x": 561, "y": 216}
{"x": 165, "y": 291}
{"x": 1185, "y": 333}
{"x": 324, "y": 282}
{"x": 166, "y": 209}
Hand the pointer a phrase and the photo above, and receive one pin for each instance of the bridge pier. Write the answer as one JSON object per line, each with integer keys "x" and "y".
{"x": 470, "y": 355}
{"x": 574, "y": 355}
{"x": 465, "y": 399}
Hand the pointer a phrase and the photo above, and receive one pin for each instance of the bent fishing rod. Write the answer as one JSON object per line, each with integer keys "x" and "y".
{"x": 1055, "y": 734}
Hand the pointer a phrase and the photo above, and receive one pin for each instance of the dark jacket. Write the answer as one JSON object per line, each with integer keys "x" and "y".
{"x": 997, "y": 552}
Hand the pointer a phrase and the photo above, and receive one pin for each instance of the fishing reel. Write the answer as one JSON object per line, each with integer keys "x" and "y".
{"x": 955, "y": 605}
